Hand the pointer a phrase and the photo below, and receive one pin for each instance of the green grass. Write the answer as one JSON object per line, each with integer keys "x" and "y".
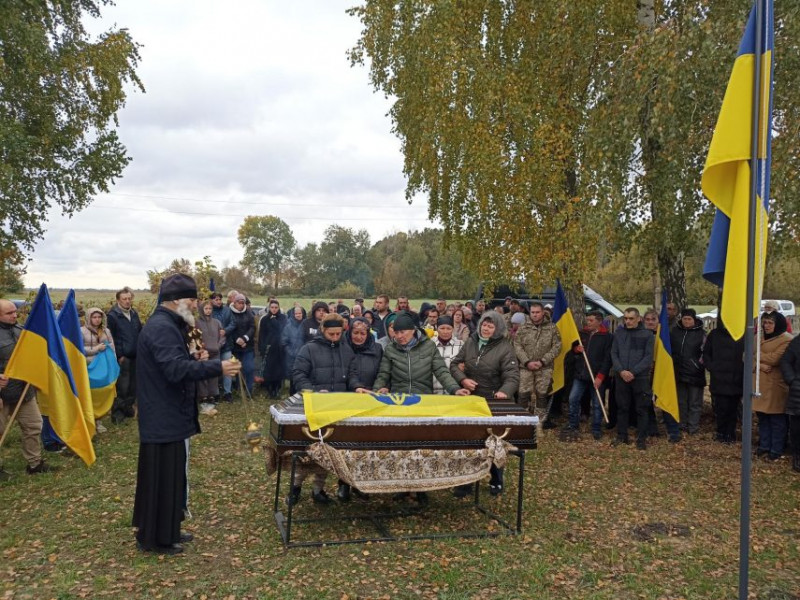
{"x": 599, "y": 523}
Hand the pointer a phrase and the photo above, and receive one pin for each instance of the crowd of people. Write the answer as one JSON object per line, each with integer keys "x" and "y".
{"x": 503, "y": 353}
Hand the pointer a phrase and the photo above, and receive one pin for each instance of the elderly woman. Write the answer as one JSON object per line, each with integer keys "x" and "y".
{"x": 240, "y": 331}
{"x": 487, "y": 366}
{"x": 96, "y": 338}
{"x": 322, "y": 365}
{"x": 213, "y": 339}
{"x": 770, "y": 406}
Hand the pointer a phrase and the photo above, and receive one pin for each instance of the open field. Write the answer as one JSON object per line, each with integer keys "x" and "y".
{"x": 599, "y": 523}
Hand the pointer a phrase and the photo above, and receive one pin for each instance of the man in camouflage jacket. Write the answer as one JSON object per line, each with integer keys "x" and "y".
{"x": 537, "y": 345}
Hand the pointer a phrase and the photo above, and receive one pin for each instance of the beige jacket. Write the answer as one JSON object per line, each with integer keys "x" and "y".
{"x": 537, "y": 342}
{"x": 773, "y": 388}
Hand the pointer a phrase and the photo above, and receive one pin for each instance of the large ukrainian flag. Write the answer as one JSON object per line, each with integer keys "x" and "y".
{"x": 103, "y": 374}
{"x": 664, "y": 387}
{"x": 323, "y": 408}
{"x": 70, "y": 325}
{"x": 565, "y": 323}
{"x": 726, "y": 177}
{"x": 40, "y": 359}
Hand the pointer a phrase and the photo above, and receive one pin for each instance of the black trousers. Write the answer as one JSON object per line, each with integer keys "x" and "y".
{"x": 126, "y": 390}
{"x": 726, "y": 413}
{"x": 636, "y": 393}
{"x": 794, "y": 435}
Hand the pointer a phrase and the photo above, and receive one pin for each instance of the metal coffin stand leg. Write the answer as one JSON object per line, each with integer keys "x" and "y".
{"x": 379, "y": 520}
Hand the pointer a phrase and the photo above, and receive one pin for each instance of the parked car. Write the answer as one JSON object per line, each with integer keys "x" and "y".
{"x": 785, "y": 307}
{"x": 592, "y": 299}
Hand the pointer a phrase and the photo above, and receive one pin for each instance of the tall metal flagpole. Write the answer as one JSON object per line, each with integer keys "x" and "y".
{"x": 749, "y": 333}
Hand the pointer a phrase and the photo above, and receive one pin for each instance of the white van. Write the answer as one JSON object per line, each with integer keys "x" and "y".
{"x": 785, "y": 307}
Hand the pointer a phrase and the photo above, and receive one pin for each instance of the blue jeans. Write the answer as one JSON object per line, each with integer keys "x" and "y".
{"x": 227, "y": 382}
{"x": 579, "y": 388}
{"x": 772, "y": 433}
{"x": 673, "y": 427}
{"x": 247, "y": 358}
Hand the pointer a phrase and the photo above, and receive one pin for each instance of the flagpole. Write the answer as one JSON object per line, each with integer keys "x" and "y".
{"x": 749, "y": 334}
{"x": 14, "y": 414}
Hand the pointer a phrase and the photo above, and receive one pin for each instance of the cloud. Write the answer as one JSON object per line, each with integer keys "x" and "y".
{"x": 251, "y": 108}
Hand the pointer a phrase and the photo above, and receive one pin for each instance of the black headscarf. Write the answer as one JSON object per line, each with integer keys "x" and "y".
{"x": 780, "y": 324}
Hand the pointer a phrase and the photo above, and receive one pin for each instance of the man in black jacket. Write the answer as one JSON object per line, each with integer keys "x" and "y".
{"x": 595, "y": 345}
{"x": 28, "y": 417}
{"x": 687, "y": 339}
{"x": 168, "y": 415}
{"x": 124, "y": 323}
{"x": 632, "y": 360}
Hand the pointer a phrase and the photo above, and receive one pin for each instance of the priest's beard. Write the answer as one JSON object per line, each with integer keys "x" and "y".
{"x": 184, "y": 309}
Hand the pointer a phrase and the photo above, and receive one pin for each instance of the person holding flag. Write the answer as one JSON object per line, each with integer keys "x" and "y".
{"x": 12, "y": 400}
{"x": 632, "y": 359}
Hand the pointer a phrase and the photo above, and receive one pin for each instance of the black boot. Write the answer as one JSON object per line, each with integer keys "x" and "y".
{"x": 343, "y": 493}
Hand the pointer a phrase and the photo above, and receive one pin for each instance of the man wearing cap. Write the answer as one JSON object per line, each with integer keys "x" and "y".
{"x": 322, "y": 365}
{"x": 687, "y": 339}
{"x": 168, "y": 416}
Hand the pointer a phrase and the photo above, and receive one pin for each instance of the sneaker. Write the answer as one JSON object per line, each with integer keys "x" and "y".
{"x": 42, "y": 467}
{"x": 321, "y": 497}
{"x": 99, "y": 427}
{"x": 462, "y": 491}
{"x": 227, "y": 397}
{"x": 641, "y": 444}
{"x": 674, "y": 439}
{"x": 569, "y": 434}
{"x": 294, "y": 495}
{"x": 495, "y": 489}
{"x": 54, "y": 447}
{"x": 598, "y": 435}
{"x": 548, "y": 424}
{"x": 343, "y": 493}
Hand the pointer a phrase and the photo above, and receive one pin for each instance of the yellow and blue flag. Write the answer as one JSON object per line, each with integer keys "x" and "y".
{"x": 664, "y": 387}
{"x": 727, "y": 173}
{"x": 324, "y": 408}
{"x": 103, "y": 374}
{"x": 565, "y": 323}
{"x": 40, "y": 359}
{"x": 70, "y": 325}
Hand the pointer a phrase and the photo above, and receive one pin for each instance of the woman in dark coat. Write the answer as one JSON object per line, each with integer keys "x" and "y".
{"x": 240, "y": 331}
{"x": 368, "y": 354}
{"x": 269, "y": 347}
{"x": 292, "y": 341}
{"x": 790, "y": 368}
{"x": 363, "y": 370}
{"x": 487, "y": 366}
{"x": 723, "y": 358}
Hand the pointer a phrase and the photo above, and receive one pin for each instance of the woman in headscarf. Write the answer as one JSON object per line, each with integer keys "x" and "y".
{"x": 292, "y": 340}
{"x": 270, "y": 349}
{"x": 487, "y": 366}
{"x": 770, "y": 406}
{"x": 363, "y": 370}
{"x": 96, "y": 338}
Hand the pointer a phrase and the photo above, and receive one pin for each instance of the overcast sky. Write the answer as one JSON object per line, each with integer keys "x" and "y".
{"x": 251, "y": 108}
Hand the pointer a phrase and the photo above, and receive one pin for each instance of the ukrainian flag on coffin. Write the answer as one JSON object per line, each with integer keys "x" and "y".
{"x": 70, "y": 325}
{"x": 40, "y": 359}
{"x": 325, "y": 408}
